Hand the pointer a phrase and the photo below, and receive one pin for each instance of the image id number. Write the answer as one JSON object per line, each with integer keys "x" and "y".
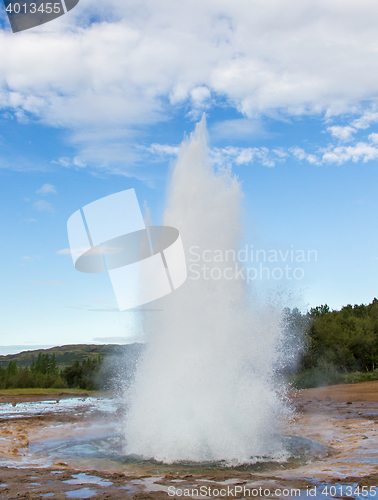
{"x": 25, "y": 8}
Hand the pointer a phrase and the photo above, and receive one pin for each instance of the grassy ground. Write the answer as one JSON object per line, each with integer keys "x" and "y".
{"x": 321, "y": 378}
{"x": 304, "y": 380}
{"x": 45, "y": 392}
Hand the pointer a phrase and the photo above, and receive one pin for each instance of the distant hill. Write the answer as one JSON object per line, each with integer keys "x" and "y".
{"x": 67, "y": 354}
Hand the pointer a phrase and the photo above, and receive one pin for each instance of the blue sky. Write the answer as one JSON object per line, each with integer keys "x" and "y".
{"x": 99, "y": 100}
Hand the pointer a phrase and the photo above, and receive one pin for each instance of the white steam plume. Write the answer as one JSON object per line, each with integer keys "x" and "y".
{"x": 205, "y": 389}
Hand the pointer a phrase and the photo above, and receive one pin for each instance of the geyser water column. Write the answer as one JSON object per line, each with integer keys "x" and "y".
{"x": 205, "y": 388}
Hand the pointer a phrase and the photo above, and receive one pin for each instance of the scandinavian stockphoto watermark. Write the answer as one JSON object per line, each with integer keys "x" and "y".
{"x": 231, "y": 491}
{"x": 249, "y": 263}
{"x": 249, "y": 491}
{"x": 26, "y": 14}
{"x": 144, "y": 262}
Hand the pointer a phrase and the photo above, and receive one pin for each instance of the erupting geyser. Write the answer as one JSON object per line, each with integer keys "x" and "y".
{"x": 206, "y": 388}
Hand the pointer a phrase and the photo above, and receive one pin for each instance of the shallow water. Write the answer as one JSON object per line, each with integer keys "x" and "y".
{"x": 81, "y": 493}
{"x": 96, "y": 441}
{"x": 86, "y": 434}
{"x": 98, "y": 449}
{"x": 35, "y": 408}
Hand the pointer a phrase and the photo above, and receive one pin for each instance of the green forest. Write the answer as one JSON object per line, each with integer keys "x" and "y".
{"x": 65, "y": 355}
{"x": 338, "y": 346}
{"x": 44, "y": 373}
{"x": 80, "y": 366}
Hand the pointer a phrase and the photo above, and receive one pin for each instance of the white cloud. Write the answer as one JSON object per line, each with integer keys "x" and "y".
{"x": 373, "y": 137}
{"x": 49, "y": 283}
{"x": 142, "y": 61}
{"x": 222, "y": 156}
{"x": 241, "y": 128}
{"x": 242, "y": 156}
{"x": 300, "y": 154}
{"x": 199, "y": 95}
{"x": 365, "y": 120}
{"x": 64, "y": 251}
{"x": 63, "y": 162}
{"x": 361, "y": 151}
{"x": 364, "y": 150}
{"x": 43, "y": 206}
{"x": 281, "y": 153}
{"x": 46, "y": 189}
{"x": 70, "y": 162}
{"x": 163, "y": 150}
{"x": 200, "y": 98}
{"x": 342, "y": 133}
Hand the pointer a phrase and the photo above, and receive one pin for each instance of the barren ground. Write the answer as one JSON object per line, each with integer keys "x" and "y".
{"x": 342, "y": 417}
